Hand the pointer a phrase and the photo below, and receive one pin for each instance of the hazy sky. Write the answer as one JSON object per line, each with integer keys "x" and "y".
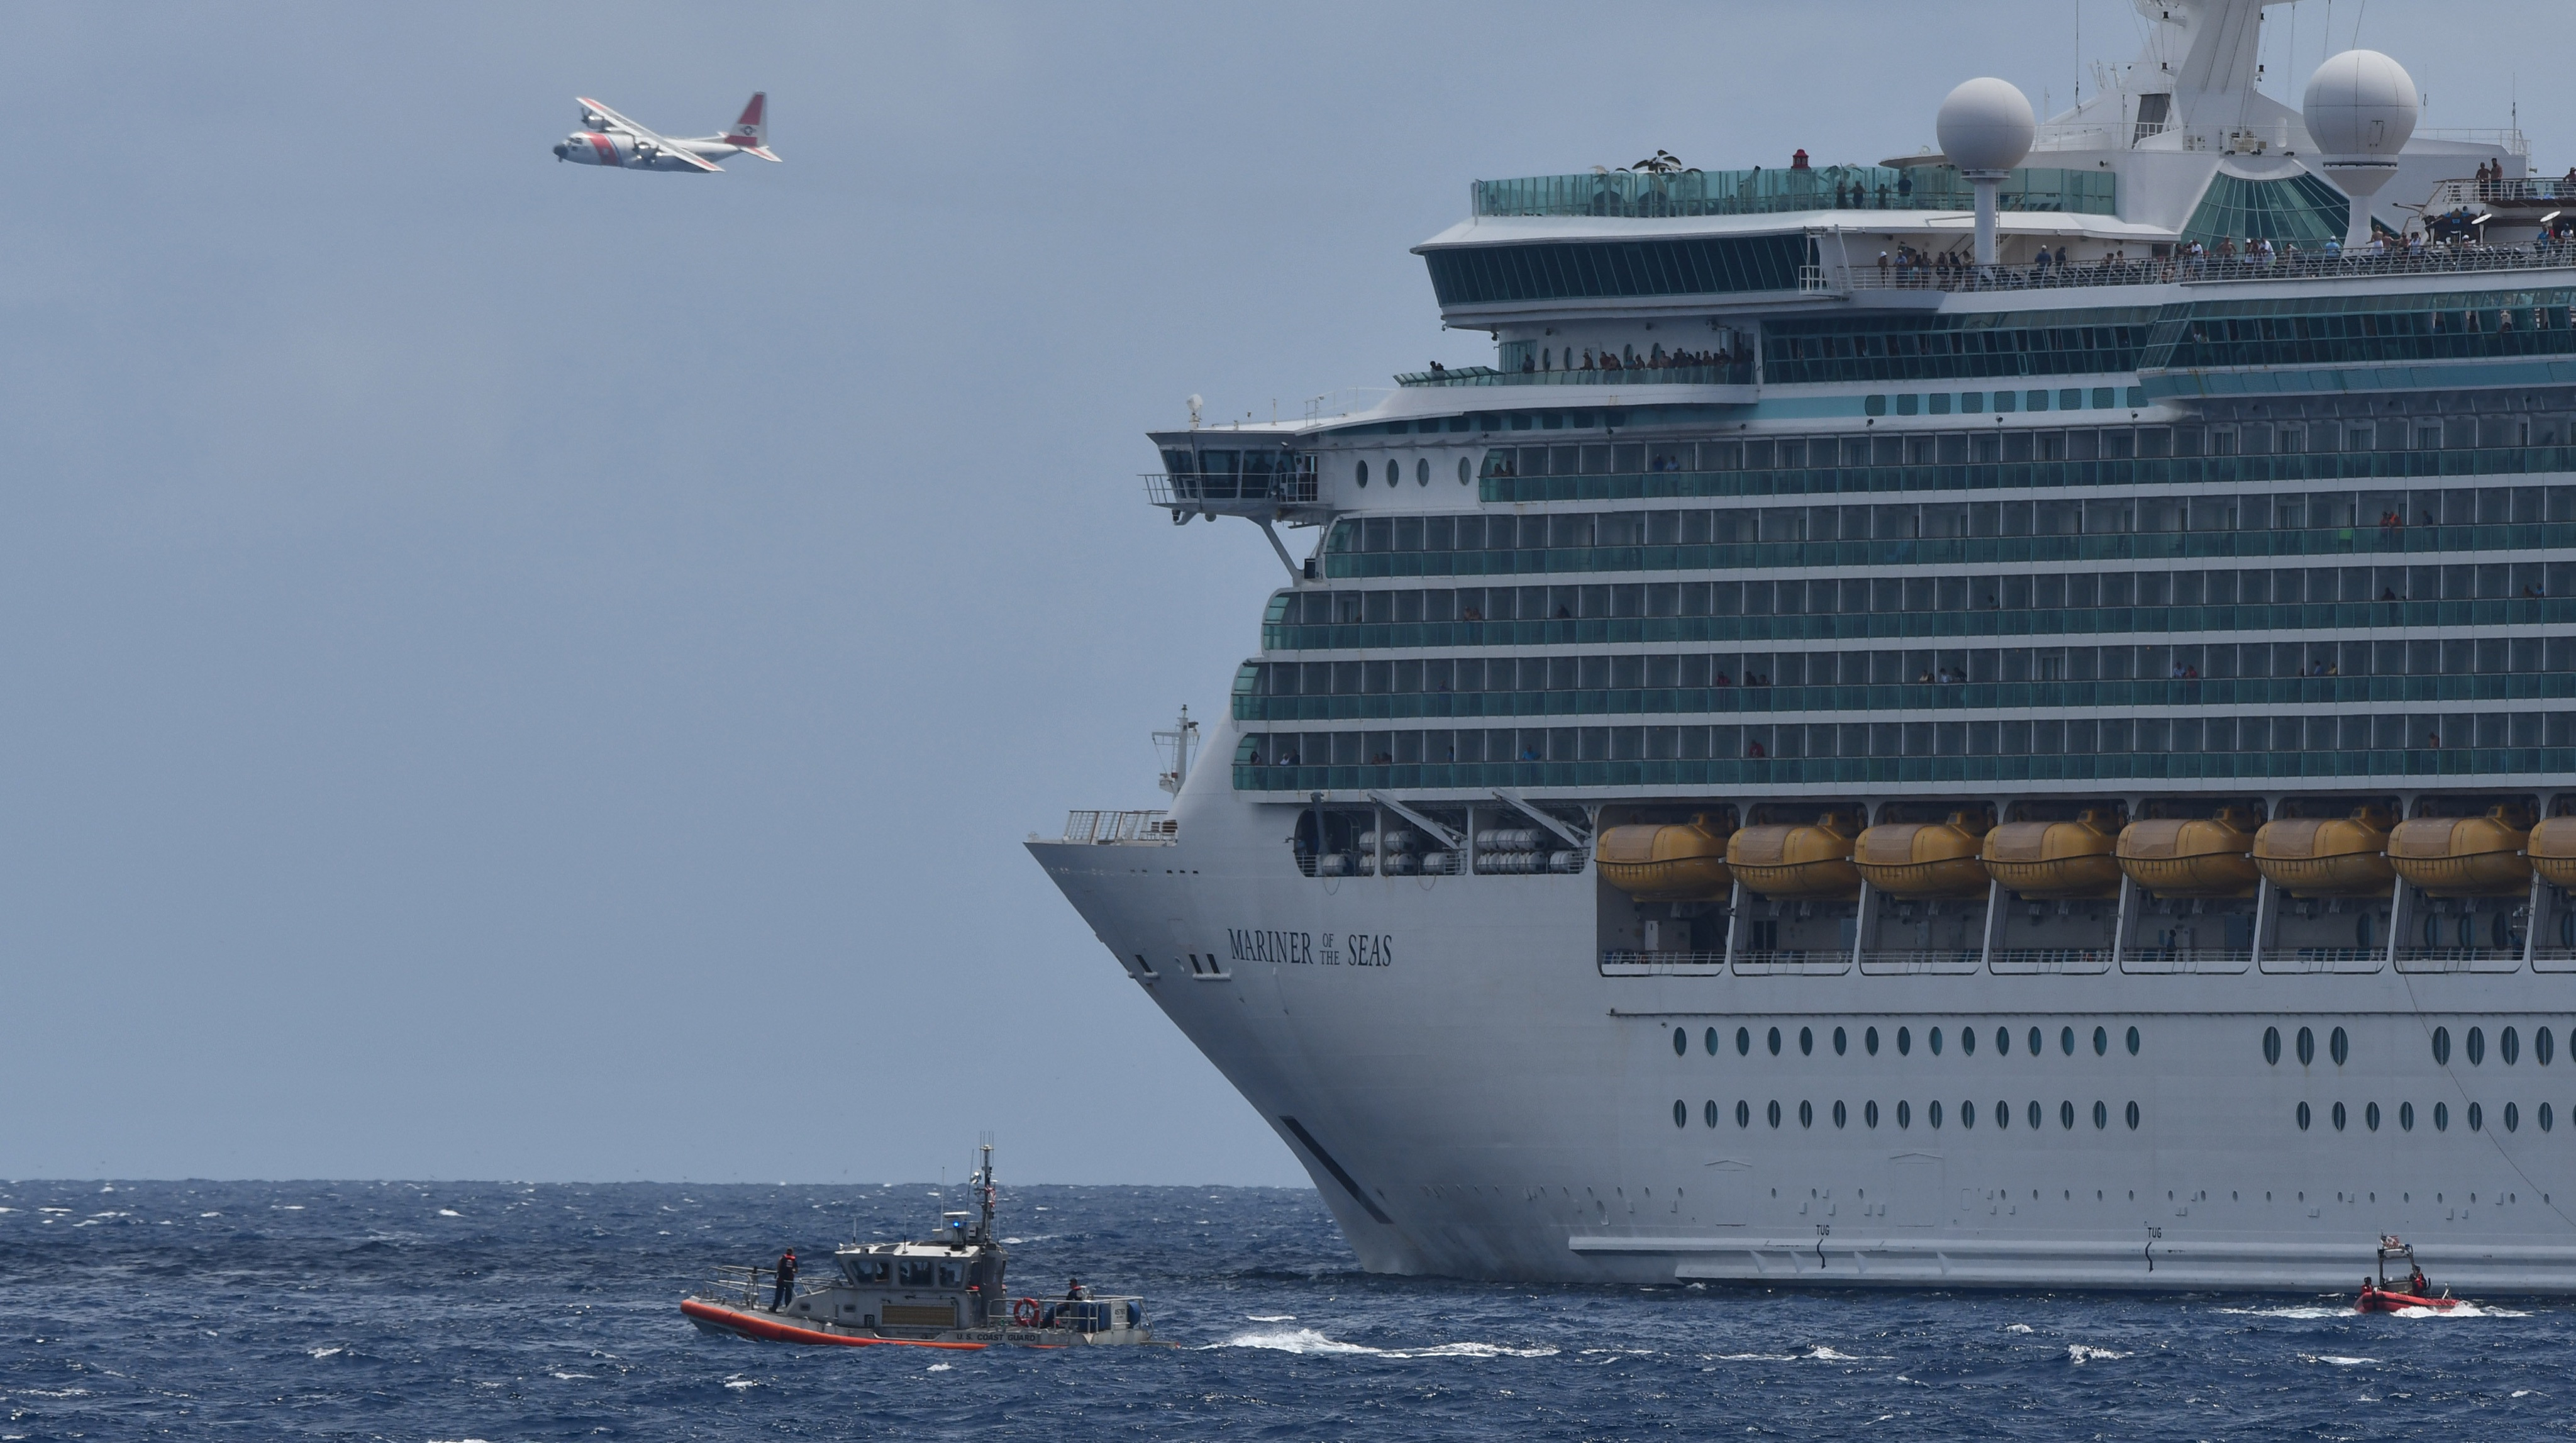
{"x": 511, "y": 670}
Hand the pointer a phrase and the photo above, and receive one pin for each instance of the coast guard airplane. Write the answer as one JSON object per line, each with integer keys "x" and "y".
{"x": 608, "y": 138}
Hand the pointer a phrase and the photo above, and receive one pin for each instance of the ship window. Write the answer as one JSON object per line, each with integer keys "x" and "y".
{"x": 2338, "y": 1046}
{"x": 1840, "y": 1117}
{"x": 1967, "y": 1114}
{"x": 2133, "y": 1047}
{"x": 2101, "y": 1041}
{"x": 2509, "y": 1046}
{"x": 2066, "y": 1040}
{"x": 2544, "y": 1118}
{"x": 1775, "y": 1041}
{"x": 2512, "y": 1117}
{"x": 1841, "y": 1042}
{"x": 1421, "y": 472}
{"x": 1869, "y": 1040}
{"x": 1744, "y": 1114}
{"x": 2065, "y": 1115}
{"x": 2272, "y": 1045}
{"x": 1775, "y": 1112}
{"x": 1935, "y": 1040}
{"x": 2034, "y": 1113}
{"x": 912, "y": 1272}
{"x": 1708, "y": 1113}
{"x": 1904, "y": 1113}
{"x": 2101, "y": 1116}
{"x": 2477, "y": 1117}
{"x": 2338, "y": 1117}
{"x": 1681, "y": 1113}
{"x": 1743, "y": 1041}
{"x": 1463, "y": 470}
{"x": 1932, "y": 1113}
{"x": 2133, "y": 1117}
{"x": 1806, "y": 1114}
{"x": 2307, "y": 1047}
{"x": 2003, "y": 1042}
{"x": 2406, "y": 1116}
{"x": 1868, "y": 1112}
{"x": 1967, "y": 1042}
{"x": 2037, "y": 1046}
{"x": 1681, "y": 1042}
{"x": 1806, "y": 1042}
{"x": 2441, "y": 1117}
{"x": 2541, "y": 1046}
{"x": 1361, "y": 472}
{"x": 2442, "y": 1046}
{"x": 1904, "y": 1041}
{"x": 2370, "y": 1117}
{"x": 2303, "y": 1117}
{"x": 1710, "y": 1042}
{"x": 2477, "y": 1046}
{"x": 952, "y": 1275}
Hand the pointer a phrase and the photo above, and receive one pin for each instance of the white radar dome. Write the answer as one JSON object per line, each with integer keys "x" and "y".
{"x": 1986, "y": 124}
{"x": 2360, "y": 103}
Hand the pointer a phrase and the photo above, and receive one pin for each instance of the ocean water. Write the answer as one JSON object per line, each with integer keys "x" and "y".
{"x": 421, "y": 1311}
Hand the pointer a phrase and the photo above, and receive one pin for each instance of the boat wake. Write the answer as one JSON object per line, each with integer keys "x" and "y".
{"x": 2082, "y": 1353}
{"x": 1309, "y": 1341}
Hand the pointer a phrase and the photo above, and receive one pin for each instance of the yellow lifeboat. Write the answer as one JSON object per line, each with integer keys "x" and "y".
{"x": 1665, "y": 863}
{"x": 2055, "y": 861}
{"x": 2327, "y": 856}
{"x": 2464, "y": 856}
{"x": 1808, "y": 861}
{"x": 2199, "y": 857}
{"x": 1924, "y": 859}
{"x": 2552, "y": 850}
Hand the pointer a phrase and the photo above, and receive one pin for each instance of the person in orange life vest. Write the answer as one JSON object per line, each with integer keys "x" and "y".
{"x": 786, "y": 1280}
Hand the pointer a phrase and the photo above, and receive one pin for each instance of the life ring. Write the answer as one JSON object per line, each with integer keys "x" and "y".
{"x": 1025, "y": 1312}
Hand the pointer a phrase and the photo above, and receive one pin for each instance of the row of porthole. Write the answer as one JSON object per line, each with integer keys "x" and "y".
{"x": 2508, "y": 1046}
{"x": 1394, "y": 472}
{"x": 2036, "y": 1115}
{"x": 2338, "y": 1046}
{"x": 2476, "y": 1117}
{"x": 2036, "y": 1040}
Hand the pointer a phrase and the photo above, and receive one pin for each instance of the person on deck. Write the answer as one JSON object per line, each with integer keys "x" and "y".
{"x": 786, "y": 1280}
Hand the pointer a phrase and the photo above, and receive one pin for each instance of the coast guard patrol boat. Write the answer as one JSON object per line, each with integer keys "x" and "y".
{"x": 2005, "y": 717}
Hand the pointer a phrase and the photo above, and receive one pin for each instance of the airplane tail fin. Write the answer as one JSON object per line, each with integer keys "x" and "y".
{"x": 750, "y": 131}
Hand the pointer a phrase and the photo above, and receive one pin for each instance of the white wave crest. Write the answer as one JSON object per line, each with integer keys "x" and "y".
{"x": 939, "y": 1367}
{"x": 1270, "y": 1317}
{"x": 1309, "y": 1341}
{"x": 2336, "y": 1360}
{"x": 449, "y": 1213}
{"x": 2017, "y": 1327}
{"x": 2082, "y": 1353}
{"x": 326, "y": 1352}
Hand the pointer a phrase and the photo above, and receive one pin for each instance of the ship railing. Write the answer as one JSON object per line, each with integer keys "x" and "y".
{"x": 2169, "y": 961}
{"x": 1619, "y": 963}
{"x": 2344, "y": 960}
{"x": 2459, "y": 959}
{"x": 2531, "y": 190}
{"x": 2285, "y": 265}
{"x": 2057, "y": 961}
{"x": 1794, "y": 962}
{"x": 2553, "y": 959}
{"x": 1193, "y": 491}
{"x": 1729, "y": 373}
{"x": 1923, "y": 962}
{"x": 1130, "y": 829}
{"x": 1094, "y": 1313}
{"x": 737, "y": 1285}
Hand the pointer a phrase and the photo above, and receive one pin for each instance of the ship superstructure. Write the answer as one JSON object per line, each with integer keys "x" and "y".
{"x": 1891, "y": 739}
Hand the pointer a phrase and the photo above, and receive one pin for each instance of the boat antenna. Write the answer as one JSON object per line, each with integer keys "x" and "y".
{"x": 984, "y": 1190}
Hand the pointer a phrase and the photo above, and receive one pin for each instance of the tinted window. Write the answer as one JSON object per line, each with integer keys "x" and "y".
{"x": 1869, "y": 1041}
{"x": 1775, "y": 1041}
{"x": 2133, "y": 1050}
{"x": 2477, "y": 1046}
{"x": 2307, "y": 1047}
{"x": 1935, "y": 1039}
{"x": 2101, "y": 1041}
{"x": 2272, "y": 1045}
{"x": 2442, "y": 1046}
{"x": 912, "y": 1273}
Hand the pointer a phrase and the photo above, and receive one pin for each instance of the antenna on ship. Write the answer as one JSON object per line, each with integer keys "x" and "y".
{"x": 1176, "y": 745}
{"x": 1986, "y": 128}
{"x": 984, "y": 1190}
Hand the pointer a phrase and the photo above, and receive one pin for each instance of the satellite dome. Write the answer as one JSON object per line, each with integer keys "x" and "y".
{"x": 2360, "y": 103}
{"x": 1986, "y": 124}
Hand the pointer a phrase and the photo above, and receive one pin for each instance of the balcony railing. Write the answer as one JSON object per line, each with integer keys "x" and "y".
{"x": 1648, "y": 195}
{"x": 2284, "y": 266}
{"x": 1193, "y": 491}
{"x": 1121, "y": 828}
{"x": 2082, "y": 961}
{"x": 1738, "y": 373}
{"x": 2531, "y": 191}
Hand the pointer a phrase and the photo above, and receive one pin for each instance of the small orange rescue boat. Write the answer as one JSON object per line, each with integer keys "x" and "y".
{"x": 2410, "y": 1290}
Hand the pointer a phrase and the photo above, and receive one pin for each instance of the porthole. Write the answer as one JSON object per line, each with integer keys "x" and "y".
{"x": 1840, "y": 1117}
{"x": 2101, "y": 1116}
{"x": 2477, "y": 1117}
{"x": 2542, "y": 1116}
{"x": 1806, "y": 1042}
{"x": 1422, "y": 472}
{"x": 2441, "y": 1117}
{"x": 2442, "y": 1047}
{"x": 1806, "y": 1114}
{"x": 1869, "y": 1113}
{"x": 2541, "y": 1045}
{"x": 2338, "y": 1046}
{"x": 2272, "y": 1045}
{"x": 1362, "y": 472}
{"x": 1904, "y": 1041}
{"x": 2303, "y": 1117}
{"x": 1967, "y": 1042}
{"x": 2338, "y": 1117}
{"x": 1681, "y": 1113}
{"x": 1935, "y": 1040}
{"x": 1462, "y": 471}
{"x": 2133, "y": 1042}
{"x": 1710, "y": 1042}
{"x": 1967, "y": 1114}
{"x": 2370, "y": 1117}
{"x": 2101, "y": 1041}
{"x": 2477, "y": 1048}
{"x": 2066, "y": 1040}
{"x": 1743, "y": 1041}
{"x": 1775, "y": 1041}
{"x": 1841, "y": 1042}
{"x": 2307, "y": 1047}
{"x": 2066, "y": 1116}
{"x": 1904, "y": 1113}
{"x": 2133, "y": 1108}
{"x": 2509, "y": 1046}
{"x": 1932, "y": 1113}
{"x": 1869, "y": 1041}
{"x": 2512, "y": 1118}
{"x": 1744, "y": 1114}
{"x": 1681, "y": 1042}
{"x": 2406, "y": 1117}
{"x": 2003, "y": 1042}
{"x": 2035, "y": 1114}
{"x": 1775, "y": 1112}
{"x": 1708, "y": 1113}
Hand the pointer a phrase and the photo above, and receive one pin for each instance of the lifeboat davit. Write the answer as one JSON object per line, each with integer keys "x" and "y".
{"x": 2464, "y": 856}
{"x": 2552, "y": 851}
{"x": 1665, "y": 863}
{"x": 2327, "y": 856}
{"x": 2055, "y": 861}
{"x": 1924, "y": 859}
{"x": 2198, "y": 857}
{"x": 1804, "y": 861}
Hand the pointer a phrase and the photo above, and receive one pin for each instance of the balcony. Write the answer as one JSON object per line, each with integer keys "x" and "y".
{"x": 1731, "y": 373}
{"x": 2288, "y": 265}
{"x": 1638, "y": 195}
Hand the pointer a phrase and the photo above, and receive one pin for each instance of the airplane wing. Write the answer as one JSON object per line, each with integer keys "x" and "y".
{"x": 660, "y": 144}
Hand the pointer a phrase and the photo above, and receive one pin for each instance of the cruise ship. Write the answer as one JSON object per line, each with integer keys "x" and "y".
{"x": 2004, "y": 717}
